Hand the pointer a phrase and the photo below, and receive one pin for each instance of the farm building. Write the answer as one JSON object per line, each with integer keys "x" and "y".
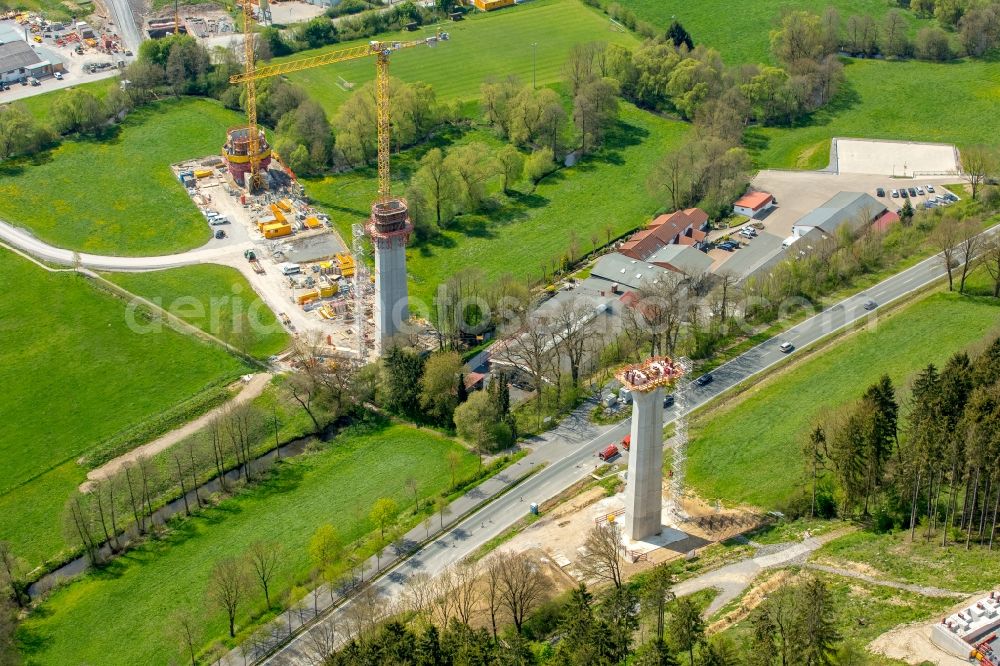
{"x": 752, "y": 204}
{"x": 683, "y": 227}
{"x": 490, "y": 5}
{"x": 856, "y": 209}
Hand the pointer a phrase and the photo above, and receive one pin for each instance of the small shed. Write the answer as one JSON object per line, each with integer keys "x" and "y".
{"x": 753, "y": 203}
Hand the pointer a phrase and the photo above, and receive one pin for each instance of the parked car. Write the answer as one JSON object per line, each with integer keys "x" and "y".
{"x": 912, "y": 191}
{"x": 930, "y": 188}
{"x": 879, "y": 192}
{"x": 216, "y": 221}
{"x": 870, "y": 305}
{"x": 668, "y": 400}
{"x": 950, "y": 197}
{"x": 58, "y": 75}
{"x": 220, "y": 234}
{"x": 786, "y": 347}
{"x": 895, "y": 194}
{"x": 903, "y": 193}
{"x": 920, "y": 190}
{"x": 704, "y": 380}
{"x": 608, "y": 452}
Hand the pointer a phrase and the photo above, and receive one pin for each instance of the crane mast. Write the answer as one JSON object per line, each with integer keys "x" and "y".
{"x": 253, "y": 136}
{"x": 381, "y": 51}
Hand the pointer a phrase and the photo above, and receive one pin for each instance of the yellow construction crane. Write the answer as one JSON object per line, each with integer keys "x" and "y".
{"x": 381, "y": 51}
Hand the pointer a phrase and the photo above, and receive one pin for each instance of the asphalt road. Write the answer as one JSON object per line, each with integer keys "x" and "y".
{"x": 571, "y": 458}
{"x": 124, "y": 22}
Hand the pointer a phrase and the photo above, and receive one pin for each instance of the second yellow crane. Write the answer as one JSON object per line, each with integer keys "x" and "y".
{"x": 380, "y": 50}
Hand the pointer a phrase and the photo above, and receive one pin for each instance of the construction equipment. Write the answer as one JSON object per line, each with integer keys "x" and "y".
{"x": 380, "y": 50}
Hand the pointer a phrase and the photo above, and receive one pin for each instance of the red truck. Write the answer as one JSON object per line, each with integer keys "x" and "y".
{"x": 608, "y": 452}
{"x": 626, "y": 442}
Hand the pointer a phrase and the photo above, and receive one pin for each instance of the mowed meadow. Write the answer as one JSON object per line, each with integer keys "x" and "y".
{"x": 481, "y": 46}
{"x": 75, "y": 374}
{"x": 735, "y": 447}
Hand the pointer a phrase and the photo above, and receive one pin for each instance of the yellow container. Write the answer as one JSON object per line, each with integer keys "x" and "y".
{"x": 326, "y": 290}
{"x": 202, "y": 173}
{"x": 306, "y": 297}
{"x": 278, "y": 215}
{"x": 277, "y": 230}
{"x": 313, "y": 223}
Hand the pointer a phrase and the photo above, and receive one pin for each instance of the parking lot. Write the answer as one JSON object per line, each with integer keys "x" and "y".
{"x": 858, "y": 167}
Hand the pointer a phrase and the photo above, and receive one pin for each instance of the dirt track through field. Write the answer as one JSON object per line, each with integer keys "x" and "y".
{"x": 250, "y": 391}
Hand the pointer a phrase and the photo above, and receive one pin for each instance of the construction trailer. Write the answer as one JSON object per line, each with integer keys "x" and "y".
{"x": 491, "y": 5}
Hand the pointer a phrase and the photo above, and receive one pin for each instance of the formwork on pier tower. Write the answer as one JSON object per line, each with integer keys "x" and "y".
{"x": 236, "y": 153}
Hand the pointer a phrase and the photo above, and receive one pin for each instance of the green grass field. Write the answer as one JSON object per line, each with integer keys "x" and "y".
{"x": 892, "y": 100}
{"x": 40, "y": 106}
{"x": 529, "y": 229}
{"x": 118, "y": 196}
{"x": 734, "y": 449}
{"x": 61, "y": 343}
{"x": 54, "y": 9}
{"x": 215, "y": 299}
{"x": 745, "y": 38}
{"x": 119, "y": 616}
{"x": 892, "y": 556}
{"x": 481, "y": 46}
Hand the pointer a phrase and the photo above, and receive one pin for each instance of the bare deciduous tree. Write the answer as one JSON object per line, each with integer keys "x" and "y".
{"x": 529, "y": 348}
{"x": 264, "y": 557}
{"x": 11, "y": 572}
{"x": 227, "y": 587}
{"x": 991, "y": 261}
{"x": 970, "y": 240}
{"x": 603, "y": 559}
{"x": 946, "y": 238}
{"x": 523, "y": 586}
{"x": 187, "y": 632}
{"x": 467, "y": 590}
{"x": 978, "y": 164}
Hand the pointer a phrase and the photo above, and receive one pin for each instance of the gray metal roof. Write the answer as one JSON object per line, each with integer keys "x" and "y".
{"x": 626, "y": 271}
{"x": 843, "y": 207}
{"x": 15, "y": 55}
{"x": 683, "y": 257}
{"x": 758, "y": 255}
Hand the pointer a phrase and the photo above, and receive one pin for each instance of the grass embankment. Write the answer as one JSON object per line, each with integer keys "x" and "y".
{"x": 965, "y": 92}
{"x": 216, "y": 299}
{"x": 747, "y": 39}
{"x": 118, "y": 195}
{"x": 894, "y": 557}
{"x": 866, "y": 611}
{"x": 74, "y": 374}
{"x": 481, "y": 46}
{"x": 119, "y": 615}
{"x": 529, "y": 228}
{"x": 734, "y": 448}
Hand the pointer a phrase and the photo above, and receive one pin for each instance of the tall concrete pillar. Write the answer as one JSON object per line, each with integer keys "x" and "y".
{"x": 390, "y": 230}
{"x": 644, "y": 489}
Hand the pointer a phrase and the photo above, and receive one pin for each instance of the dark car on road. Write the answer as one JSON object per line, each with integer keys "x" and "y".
{"x": 870, "y": 305}
{"x": 704, "y": 380}
{"x": 668, "y": 400}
